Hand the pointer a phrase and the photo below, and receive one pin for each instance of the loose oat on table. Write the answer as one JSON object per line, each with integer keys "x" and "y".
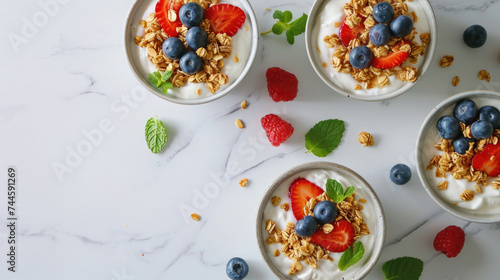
{"x": 243, "y": 182}
{"x": 195, "y": 217}
{"x": 275, "y": 200}
{"x": 239, "y": 123}
{"x": 484, "y": 75}
{"x": 455, "y": 81}
{"x": 243, "y": 104}
{"x": 366, "y": 139}
{"x": 446, "y": 61}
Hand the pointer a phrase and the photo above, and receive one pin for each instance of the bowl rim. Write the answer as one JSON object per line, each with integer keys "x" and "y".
{"x": 128, "y": 43}
{"x": 429, "y": 55}
{"x": 379, "y": 216}
{"x": 422, "y": 166}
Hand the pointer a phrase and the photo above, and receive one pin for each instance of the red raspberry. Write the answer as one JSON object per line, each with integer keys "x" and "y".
{"x": 282, "y": 85}
{"x": 450, "y": 241}
{"x": 277, "y": 130}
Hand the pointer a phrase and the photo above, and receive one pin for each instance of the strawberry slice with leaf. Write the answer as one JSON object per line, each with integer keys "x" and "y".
{"x": 346, "y": 33}
{"x": 393, "y": 59}
{"x": 488, "y": 160}
{"x": 300, "y": 191}
{"x": 341, "y": 237}
{"x": 225, "y": 18}
{"x": 161, "y": 10}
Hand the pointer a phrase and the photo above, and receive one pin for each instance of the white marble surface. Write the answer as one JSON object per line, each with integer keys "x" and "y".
{"x": 121, "y": 212}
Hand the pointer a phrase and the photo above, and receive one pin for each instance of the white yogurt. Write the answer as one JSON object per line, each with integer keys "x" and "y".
{"x": 241, "y": 48}
{"x": 324, "y": 25}
{"x": 487, "y": 202}
{"x": 326, "y": 269}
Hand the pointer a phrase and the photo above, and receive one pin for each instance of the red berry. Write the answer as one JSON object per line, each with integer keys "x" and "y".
{"x": 225, "y": 18}
{"x": 162, "y": 9}
{"x": 488, "y": 160}
{"x": 300, "y": 191}
{"x": 346, "y": 33}
{"x": 338, "y": 240}
{"x": 282, "y": 85}
{"x": 393, "y": 59}
{"x": 277, "y": 130}
{"x": 450, "y": 241}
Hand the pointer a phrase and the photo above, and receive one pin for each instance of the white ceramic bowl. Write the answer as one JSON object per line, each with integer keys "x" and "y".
{"x": 428, "y": 137}
{"x": 316, "y": 171}
{"x": 318, "y": 55}
{"x": 141, "y": 66}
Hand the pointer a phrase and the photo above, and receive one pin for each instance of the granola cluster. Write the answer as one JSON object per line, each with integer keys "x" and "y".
{"x": 375, "y": 77}
{"x": 218, "y": 47}
{"x": 460, "y": 166}
{"x": 300, "y": 248}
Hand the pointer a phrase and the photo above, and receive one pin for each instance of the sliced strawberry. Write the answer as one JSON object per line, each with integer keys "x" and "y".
{"x": 161, "y": 10}
{"x": 488, "y": 160}
{"x": 393, "y": 59}
{"x": 346, "y": 33}
{"x": 338, "y": 240}
{"x": 300, "y": 191}
{"x": 225, "y": 18}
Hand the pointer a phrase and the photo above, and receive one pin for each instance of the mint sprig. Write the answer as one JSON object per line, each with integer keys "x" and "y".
{"x": 161, "y": 80}
{"x": 324, "y": 137}
{"x": 284, "y": 24}
{"x": 404, "y": 268}
{"x": 156, "y": 135}
{"x": 336, "y": 192}
{"x": 351, "y": 256}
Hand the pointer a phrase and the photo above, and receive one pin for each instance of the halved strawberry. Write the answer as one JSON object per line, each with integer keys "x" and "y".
{"x": 338, "y": 240}
{"x": 488, "y": 160}
{"x": 393, "y": 59}
{"x": 346, "y": 33}
{"x": 225, "y": 18}
{"x": 161, "y": 10}
{"x": 300, "y": 191}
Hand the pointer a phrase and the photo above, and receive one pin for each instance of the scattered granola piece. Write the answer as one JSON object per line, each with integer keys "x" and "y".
{"x": 446, "y": 61}
{"x": 276, "y": 252}
{"x": 443, "y": 185}
{"x": 195, "y": 217}
{"x": 267, "y": 9}
{"x": 484, "y": 75}
{"x": 285, "y": 206}
{"x": 198, "y": 91}
{"x": 478, "y": 188}
{"x": 467, "y": 195}
{"x": 362, "y": 200}
{"x": 495, "y": 184}
{"x": 455, "y": 81}
{"x": 239, "y": 123}
{"x": 324, "y": 64}
{"x": 366, "y": 139}
{"x": 235, "y": 58}
{"x": 357, "y": 87}
{"x": 243, "y": 182}
{"x": 244, "y": 104}
{"x": 336, "y": 24}
{"x": 275, "y": 200}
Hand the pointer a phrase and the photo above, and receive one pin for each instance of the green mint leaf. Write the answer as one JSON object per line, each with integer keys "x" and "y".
{"x": 299, "y": 25}
{"x": 351, "y": 256}
{"x": 278, "y": 15}
{"x": 153, "y": 79}
{"x": 289, "y": 37}
{"x": 348, "y": 192}
{"x": 334, "y": 190}
{"x": 156, "y": 135}
{"x": 166, "y": 86}
{"x": 324, "y": 137}
{"x": 287, "y": 17}
{"x": 404, "y": 268}
{"x": 278, "y": 28}
{"x": 166, "y": 76}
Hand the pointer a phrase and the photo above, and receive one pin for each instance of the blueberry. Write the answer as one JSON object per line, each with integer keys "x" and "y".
{"x": 380, "y": 34}
{"x": 400, "y": 174}
{"x": 173, "y": 48}
{"x": 481, "y": 129}
{"x": 466, "y": 111}
{"x": 475, "y": 36}
{"x": 448, "y": 127}
{"x": 361, "y": 57}
{"x": 325, "y": 211}
{"x": 237, "y": 268}
{"x": 461, "y": 144}
{"x": 191, "y": 14}
{"x": 196, "y": 37}
{"x": 401, "y": 26}
{"x": 190, "y": 63}
{"x": 491, "y": 114}
{"x": 383, "y": 12}
{"x": 306, "y": 226}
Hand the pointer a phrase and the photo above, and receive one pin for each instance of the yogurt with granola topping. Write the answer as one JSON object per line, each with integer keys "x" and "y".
{"x": 332, "y": 12}
{"x": 325, "y": 269}
{"x": 234, "y": 65}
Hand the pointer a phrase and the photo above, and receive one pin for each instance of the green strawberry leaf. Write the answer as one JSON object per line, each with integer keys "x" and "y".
{"x": 351, "y": 256}
{"x": 156, "y": 135}
{"x": 324, "y": 137}
{"x": 404, "y": 268}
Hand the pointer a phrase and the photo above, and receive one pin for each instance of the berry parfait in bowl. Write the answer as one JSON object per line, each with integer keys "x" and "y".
{"x": 458, "y": 155}
{"x": 371, "y": 49}
{"x": 320, "y": 220}
{"x": 191, "y": 51}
